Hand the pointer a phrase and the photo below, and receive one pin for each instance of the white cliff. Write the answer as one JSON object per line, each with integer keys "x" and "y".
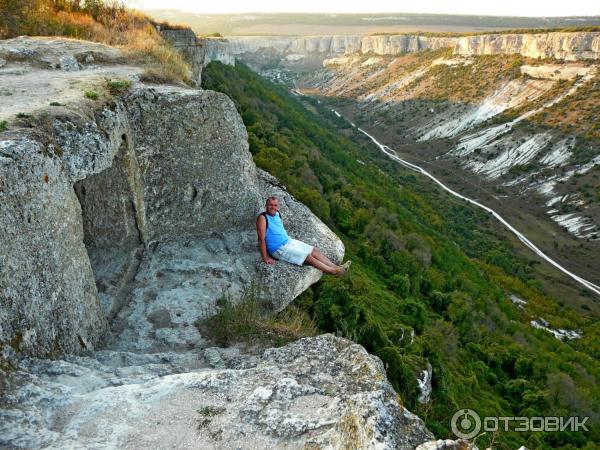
{"x": 559, "y": 45}
{"x": 332, "y": 46}
{"x": 569, "y": 46}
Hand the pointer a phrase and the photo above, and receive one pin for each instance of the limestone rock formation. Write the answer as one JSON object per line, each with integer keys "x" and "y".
{"x": 447, "y": 444}
{"x": 145, "y": 200}
{"x": 126, "y": 219}
{"x": 298, "y": 49}
{"x": 568, "y": 46}
{"x": 323, "y": 392}
{"x": 198, "y": 52}
{"x": 332, "y": 46}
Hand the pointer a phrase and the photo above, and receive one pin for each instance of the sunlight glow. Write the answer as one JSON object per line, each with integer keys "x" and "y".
{"x": 532, "y": 8}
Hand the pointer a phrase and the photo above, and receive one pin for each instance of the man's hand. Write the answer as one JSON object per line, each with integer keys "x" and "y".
{"x": 269, "y": 261}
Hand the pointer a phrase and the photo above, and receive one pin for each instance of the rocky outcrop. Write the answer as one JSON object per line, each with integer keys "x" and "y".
{"x": 139, "y": 210}
{"x": 567, "y": 46}
{"x": 198, "y": 52}
{"x": 147, "y": 201}
{"x": 217, "y": 49}
{"x": 332, "y": 46}
{"x": 323, "y": 392}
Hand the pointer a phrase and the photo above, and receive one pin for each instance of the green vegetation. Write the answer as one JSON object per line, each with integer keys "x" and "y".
{"x": 424, "y": 263}
{"x": 249, "y": 319}
{"x": 210, "y": 411}
{"x": 118, "y": 86}
{"x": 3, "y": 124}
{"x": 211, "y": 35}
{"x": 92, "y": 95}
{"x": 467, "y": 82}
{"x": 577, "y": 112}
{"x": 207, "y": 413}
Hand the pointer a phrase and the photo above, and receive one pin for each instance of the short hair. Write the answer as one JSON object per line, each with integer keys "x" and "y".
{"x": 271, "y": 198}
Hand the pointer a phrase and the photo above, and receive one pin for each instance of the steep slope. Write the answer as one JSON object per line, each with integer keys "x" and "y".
{"x": 134, "y": 208}
{"x": 526, "y": 128}
{"x": 433, "y": 281}
{"x": 112, "y": 198}
{"x": 308, "y": 52}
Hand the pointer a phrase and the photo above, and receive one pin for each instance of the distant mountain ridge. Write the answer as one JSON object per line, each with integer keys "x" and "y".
{"x": 266, "y": 23}
{"x": 559, "y": 45}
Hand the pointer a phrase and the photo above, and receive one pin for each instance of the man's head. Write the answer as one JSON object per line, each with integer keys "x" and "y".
{"x": 272, "y": 206}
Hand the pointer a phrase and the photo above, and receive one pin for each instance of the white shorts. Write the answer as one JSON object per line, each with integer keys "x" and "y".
{"x": 294, "y": 252}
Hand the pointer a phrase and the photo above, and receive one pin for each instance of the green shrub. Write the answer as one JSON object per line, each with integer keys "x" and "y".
{"x": 92, "y": 95}
{"x": 118, "y": 86}
{"x": 2, "y": 125}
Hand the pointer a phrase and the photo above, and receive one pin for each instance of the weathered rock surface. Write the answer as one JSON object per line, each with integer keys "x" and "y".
{"x": 91, "y": 195}
{"x": 321, "y": 392}
{"x": 294, "y": 49}
{"x": 447, "y": 444}
{"x": 55, "y": 53}
{"x": 198, "y": 52}
{"x": 139, "y": 211}
{"x": 569, "y": 46}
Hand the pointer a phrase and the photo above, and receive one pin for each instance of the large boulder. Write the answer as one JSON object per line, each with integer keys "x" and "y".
{"x": 143, "y": 201}
{"x": 320, "y": 392}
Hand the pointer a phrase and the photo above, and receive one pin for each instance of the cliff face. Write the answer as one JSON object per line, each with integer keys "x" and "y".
{"x": 331, "y": 46}
{"x": 198, "y": 52}
{"x": 138, "y": 211}
{"x": 568, "y": 46}
{"x": 127, "y": 203}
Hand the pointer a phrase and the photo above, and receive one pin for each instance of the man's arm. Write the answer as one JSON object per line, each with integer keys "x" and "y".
{"x": 261, "y": 229}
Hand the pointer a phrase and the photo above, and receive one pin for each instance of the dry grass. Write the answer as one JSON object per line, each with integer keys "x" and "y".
{"x": 108, "y": 22}
{"x": 251, "y": 320}
{"x": 577, "y": 112}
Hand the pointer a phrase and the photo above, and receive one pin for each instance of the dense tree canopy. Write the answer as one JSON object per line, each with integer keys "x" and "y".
{"x": 430, "y": 280}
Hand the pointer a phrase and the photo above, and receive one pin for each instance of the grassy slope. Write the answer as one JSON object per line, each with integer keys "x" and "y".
{"x": 423, "y": 262}
{"x": 107, "y": 21}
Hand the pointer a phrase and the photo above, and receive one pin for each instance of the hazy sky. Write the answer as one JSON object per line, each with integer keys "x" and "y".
{"x": 478, "y": 7}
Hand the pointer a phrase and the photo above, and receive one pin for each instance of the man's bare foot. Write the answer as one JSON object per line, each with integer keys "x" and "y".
{"x": 343, "y": 269}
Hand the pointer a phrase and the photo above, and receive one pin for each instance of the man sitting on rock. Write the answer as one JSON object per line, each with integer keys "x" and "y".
{"x": 274, "y": 241}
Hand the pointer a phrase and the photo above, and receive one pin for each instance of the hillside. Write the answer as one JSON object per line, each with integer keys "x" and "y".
{"x": 127, "y": 217}
{"x": 345, "y": 24}
{"x": 525, "y": 128}
{"x": 433, "y": 280}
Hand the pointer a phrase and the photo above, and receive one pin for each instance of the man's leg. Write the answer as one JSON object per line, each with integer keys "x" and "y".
{"x": 318, "y": 264}
{"x": 321, "y": 257}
